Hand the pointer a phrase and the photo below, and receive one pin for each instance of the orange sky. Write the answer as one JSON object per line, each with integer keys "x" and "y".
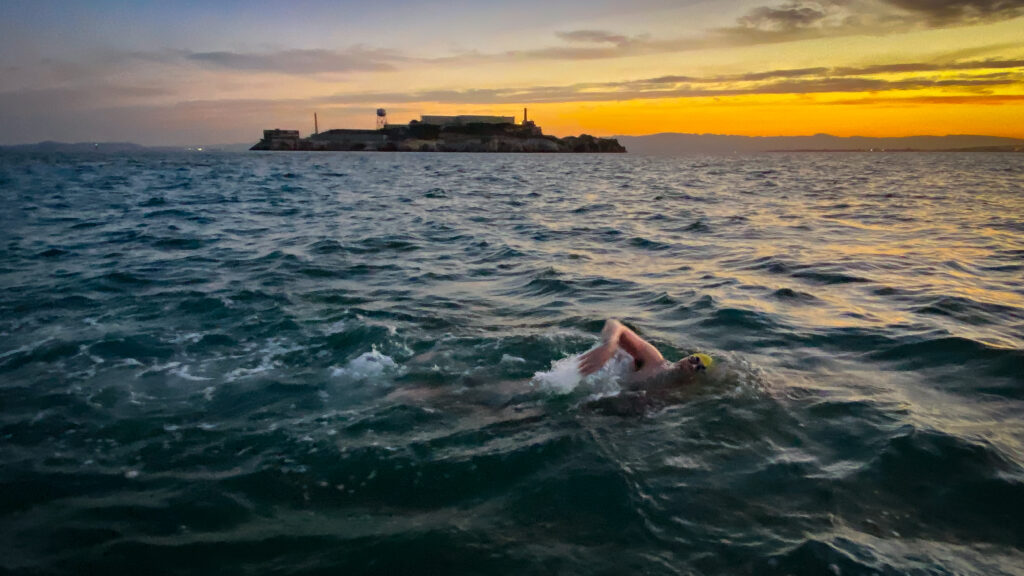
{"x": 882, "y": 115}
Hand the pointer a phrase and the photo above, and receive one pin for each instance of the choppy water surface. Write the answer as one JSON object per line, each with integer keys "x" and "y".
{"x": 356, "y": 364}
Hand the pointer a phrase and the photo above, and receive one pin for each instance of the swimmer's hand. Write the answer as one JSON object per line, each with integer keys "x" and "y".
{"x": 593, "y": 360}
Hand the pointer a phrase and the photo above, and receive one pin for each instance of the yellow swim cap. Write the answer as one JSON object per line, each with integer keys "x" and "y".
{"x": 706, "y": 360}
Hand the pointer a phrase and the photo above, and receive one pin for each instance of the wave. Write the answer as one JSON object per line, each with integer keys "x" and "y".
{"x": 970, "y": 311}
{"x": 978, "y": 483}
{"x": 46, "y": 351}
{"x": 952, "y": 350}
{"x": 368, "y": 363}
{"x": 828, "y": 275}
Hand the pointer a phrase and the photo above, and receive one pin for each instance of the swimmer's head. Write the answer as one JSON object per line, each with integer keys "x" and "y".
{"x": 705, "y": 360}
{"x": 695, "y": 363}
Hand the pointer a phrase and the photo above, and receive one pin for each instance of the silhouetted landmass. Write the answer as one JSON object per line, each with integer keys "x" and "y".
{"x": 116, "y": 147}
{"x": 424, "y": 137}
{"x": 1018, "y": 148}
{"x": 50, "y": 146}
{"x": 674, "y": 143}
{"x": 655, "y": 144}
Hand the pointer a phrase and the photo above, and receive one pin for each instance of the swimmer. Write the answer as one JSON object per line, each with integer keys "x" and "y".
{"x": 650, "y": 369}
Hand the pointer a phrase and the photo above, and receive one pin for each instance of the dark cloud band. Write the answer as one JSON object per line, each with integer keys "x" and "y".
{"x": 301, "y": 61}
{"x": 971, "y": 76}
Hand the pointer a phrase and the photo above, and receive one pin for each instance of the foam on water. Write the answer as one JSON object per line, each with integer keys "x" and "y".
{"x": 370, "y": 365}
{"x": 268, "y": 357}
{"x": 183, "y": 372}
{"x": 564, "y": 376}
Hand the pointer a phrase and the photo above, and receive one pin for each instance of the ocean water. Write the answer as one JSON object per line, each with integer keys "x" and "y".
{"x": 364, "y": 364}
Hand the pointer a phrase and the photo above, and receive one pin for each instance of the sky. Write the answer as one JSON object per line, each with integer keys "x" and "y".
{"x": 202, "y": 73}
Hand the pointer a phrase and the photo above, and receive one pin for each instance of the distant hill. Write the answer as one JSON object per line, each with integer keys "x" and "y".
{"x": 118, "y": 147}
{"x": 50, "y": 146}
{"x": 675, "y": 143}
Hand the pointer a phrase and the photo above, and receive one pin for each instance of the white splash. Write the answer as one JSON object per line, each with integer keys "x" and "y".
{"x": 564, "y": 375}
{"x": 369, "y": 365}
{"x": 190, "y": 338}
{"x": 272, "y": 350}
{"x": 183, "y": 373}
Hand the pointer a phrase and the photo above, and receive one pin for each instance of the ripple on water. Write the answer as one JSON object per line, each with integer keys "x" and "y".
{"x": 313, "y": 363}
{"x": 914, "y": 353}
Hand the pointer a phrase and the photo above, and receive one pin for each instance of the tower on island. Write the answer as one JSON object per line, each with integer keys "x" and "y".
{"x": 530, "y": 124}
{"x": 382, "y": 118}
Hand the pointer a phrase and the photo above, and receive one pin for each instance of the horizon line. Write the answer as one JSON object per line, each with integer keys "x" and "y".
{"x": 698, "y": 134}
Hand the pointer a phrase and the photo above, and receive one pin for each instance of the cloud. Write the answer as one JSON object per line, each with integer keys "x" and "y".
{"x": 960, "y": 12}
{"x": 981, "y": 75}
{"x": 980, "y": 99}
{"x": 169, "y": 69}
{"x": 117, "y": 113}
{"x": 594, "y": 37}
{"x": 600, "y": 37}
{"x": 793, "y": 20}
{"x": 810, "y": 19}
{"x": 799, "y": 19}
{"x": 770, "y": 75}
{"x": 928, "y": 67}
{"x": 876, "y": 69}
{"x": 80, "y": 98}
{"x": 588, "y": 45}
{"x": 790, "y": 16}
{"x": 964, "y": 76}
{"x": 789, "y": 21}
{"x": 967, "y": 53}
{"x": 357, "y": 59}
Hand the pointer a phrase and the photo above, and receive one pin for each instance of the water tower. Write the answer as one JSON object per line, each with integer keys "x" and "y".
{"x": 382, "y": 118}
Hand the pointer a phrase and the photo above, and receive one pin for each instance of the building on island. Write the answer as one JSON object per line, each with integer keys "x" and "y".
{"x": 434, "y": 133}
{"x": 463, "y": 120}
{"x": 347, "y": 139}
{"x": 278, "y": 139}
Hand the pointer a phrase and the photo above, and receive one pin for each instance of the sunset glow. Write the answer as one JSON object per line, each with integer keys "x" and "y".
{"x": 155, "y": 73}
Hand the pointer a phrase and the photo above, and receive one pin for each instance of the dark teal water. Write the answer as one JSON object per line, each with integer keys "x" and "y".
{"x": 357, "y": 364}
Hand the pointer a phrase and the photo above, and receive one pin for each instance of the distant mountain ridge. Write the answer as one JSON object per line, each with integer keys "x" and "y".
{"x": 670, "y": 143}
{"x": 116, "y": 147}
{"x": 51, "y": 146}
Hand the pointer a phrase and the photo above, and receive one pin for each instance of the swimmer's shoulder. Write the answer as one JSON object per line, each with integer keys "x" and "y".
{"x": 650, "y": 377}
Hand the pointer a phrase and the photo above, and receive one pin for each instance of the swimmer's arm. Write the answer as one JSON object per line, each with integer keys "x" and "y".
{"x": 638, "y": 348}
{"x": 615, "y": 336}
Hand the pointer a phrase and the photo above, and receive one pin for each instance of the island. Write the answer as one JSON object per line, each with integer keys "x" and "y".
{"x": 465, "y": 133}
